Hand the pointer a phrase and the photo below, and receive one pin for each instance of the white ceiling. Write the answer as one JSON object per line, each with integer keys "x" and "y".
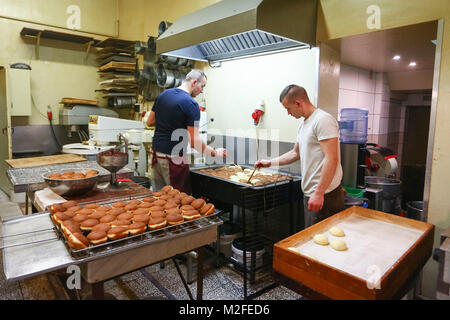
{"x": 374, "y": 51}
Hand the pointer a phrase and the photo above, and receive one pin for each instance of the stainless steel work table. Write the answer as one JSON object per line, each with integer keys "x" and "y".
{"x": 43, "y": 256}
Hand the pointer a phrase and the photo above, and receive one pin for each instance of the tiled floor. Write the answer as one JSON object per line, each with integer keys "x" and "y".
{"x": 220, "y": 283}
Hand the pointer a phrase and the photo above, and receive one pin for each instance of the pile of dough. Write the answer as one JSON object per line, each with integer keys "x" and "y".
{"x": 321, "y": 239}
{"x": 338, "y": 244}
{"x": 337, "y": 232}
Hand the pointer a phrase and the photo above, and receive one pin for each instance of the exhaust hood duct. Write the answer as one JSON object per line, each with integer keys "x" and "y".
{"x": 235, "y": 28}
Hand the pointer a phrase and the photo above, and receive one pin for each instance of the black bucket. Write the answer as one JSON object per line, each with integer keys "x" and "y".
{"x": 143, "y": 181}
{"x": 414, "y": 210}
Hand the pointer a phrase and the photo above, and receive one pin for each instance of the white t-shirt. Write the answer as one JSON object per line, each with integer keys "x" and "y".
{"x": 320, "y": 125}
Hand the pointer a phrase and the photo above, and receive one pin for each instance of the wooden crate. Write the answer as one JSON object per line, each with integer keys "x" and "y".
{"x": 381, "y": 246}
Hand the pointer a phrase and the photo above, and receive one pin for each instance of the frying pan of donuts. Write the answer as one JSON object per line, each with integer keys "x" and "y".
{"x": 95, "y": 224}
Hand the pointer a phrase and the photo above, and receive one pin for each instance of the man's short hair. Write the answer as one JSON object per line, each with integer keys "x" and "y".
{"x": 195, "y": 74}
{"x": 292, "y": 92}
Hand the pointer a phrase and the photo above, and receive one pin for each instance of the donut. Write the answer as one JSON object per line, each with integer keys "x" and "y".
{"x": 57, "y": 207}
{"x": 164, "y": 197}
{"x": 120, "y": 223}
{"x": 134, "y": 201}
{"x": 125, "y": 216}
{"x": 103, "y": 208}
{"x": 159, "y": 203}
{"x": 198, "y": 203}
{"x": 116, "y": 211}
{"x": 101, "y": 227}
{"x": 68, "y": 173}
{"x": 145, "y": 205}
{"x": 119, "y": 204}
{"x": 137, "y": 228}
{"x": 87, "y": 224}
{"x": 141, "y": 211}
{"x": 69, "y": 226}
{"x": 78, "y": 241}
{"x": 71, "y": 214}
{"x": 79, "y": 218}
{"x": 174, "y": 219}
{"x": 85, "y": 211}
{"x": 191, "y": 214}
{"x": 97, "y": 237}
{"x": 187, "y": 207}
{"x": 187, "y": 200}
{"x": 97, "y": 215}
{"x": 70, "y": 203}
{"x": 149, "y": 199}
{"x": 158, "y": 194}
{"x": 166, "y": 189}
{"x": 73, "y": 209}
{"x": 55, "y": 176}
{"x": 183, "y": 194}
{"x": 116, "y": 233}
{"x": 173, "y": 193}
{"x": 140, "y": 218}
{"x": 108, "y": 218}
{"x": 177, "y": 200}
{"x": 207, "y": 209}
{"x": 158, "y": 214}
{"x": 170, "y": 205}
{"x": 92, "y": 206}
{"x": 91, "y": 173}
{"x": 155, "y": 208}
{"x": 60, "y": 217}
{"x": 130, "y": 207}
{"x": 174, "y": 211}
{"x": 157, "y": 223}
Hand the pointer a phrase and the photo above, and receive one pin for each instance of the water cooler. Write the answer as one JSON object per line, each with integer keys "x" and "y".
{"x": 353, "y": 138}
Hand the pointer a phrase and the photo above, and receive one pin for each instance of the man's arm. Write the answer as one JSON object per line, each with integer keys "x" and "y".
{"x": 151, "y": 119}
{"x": 197, "y": 143}
{"x": 330, "y": 150}
{"x": 286, "y": 158}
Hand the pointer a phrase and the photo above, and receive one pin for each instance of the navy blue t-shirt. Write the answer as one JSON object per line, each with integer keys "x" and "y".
{"x": 174, "y": 109}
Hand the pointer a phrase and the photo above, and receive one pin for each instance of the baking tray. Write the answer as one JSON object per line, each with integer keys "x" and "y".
{"x": 262, "y": 197}
{"x": 384, "y": 252}
{"x": 115, "y": 246}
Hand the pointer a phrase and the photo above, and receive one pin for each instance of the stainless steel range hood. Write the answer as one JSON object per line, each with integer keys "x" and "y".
{"x": 235, "y": 28}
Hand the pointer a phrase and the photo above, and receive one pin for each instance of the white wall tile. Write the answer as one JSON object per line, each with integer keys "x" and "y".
{"x": 384, "y": 125}
{"x": 377, "y": 105}
{"x": 384, "y": 109}
{"x": 379, "y": 82}
{"x": 366, "y": 83}
{"x": 348, "y": 77}
{"x": 365, "y": 100}
{"x": 370, "y": 124}
{"x": 376, "y": 124}
{"x": 348, "y": 98}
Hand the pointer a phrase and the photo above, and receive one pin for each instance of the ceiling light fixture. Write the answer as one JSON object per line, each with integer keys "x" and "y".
{"x": 396, "y": 57}
{"x": 412, "y": 64}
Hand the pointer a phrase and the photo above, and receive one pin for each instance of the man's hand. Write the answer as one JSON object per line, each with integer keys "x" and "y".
{"x": 263, "y": 164}
{"x": 315, "y": 202}
{"x": 221, "y": 152}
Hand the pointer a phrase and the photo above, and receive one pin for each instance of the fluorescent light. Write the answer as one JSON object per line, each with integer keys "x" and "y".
{"x": 412, "y": 64}
{"x": 396, "y": 57}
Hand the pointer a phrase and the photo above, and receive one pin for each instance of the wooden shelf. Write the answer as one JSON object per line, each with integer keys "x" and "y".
{"x": 48, "y": 34}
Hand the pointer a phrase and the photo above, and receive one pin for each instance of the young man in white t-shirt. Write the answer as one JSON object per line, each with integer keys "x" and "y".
{"x": 317, "y": 148}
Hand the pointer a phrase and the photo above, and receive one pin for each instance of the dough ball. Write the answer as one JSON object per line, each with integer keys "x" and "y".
{"x": 337, "y": 232}
{"x": 338, "y": 244}
{"x": 321, "y": 239}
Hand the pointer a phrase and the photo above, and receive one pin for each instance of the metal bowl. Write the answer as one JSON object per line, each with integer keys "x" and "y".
{"x": 71, "y": 187}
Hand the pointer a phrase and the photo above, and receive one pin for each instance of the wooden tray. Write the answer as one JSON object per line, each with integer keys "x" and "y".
{"x": 384, "y": 251}
{"x": 45, "y": 160}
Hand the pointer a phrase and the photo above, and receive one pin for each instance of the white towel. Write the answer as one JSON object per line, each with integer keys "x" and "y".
{"x": 46, "y": 197}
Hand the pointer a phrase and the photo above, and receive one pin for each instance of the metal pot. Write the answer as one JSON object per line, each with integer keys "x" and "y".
{"x": 391, "y": 188}
{"x": 71, "y": 187}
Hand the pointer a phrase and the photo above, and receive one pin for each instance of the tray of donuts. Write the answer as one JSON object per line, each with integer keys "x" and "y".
{"x": 98, "y": 226}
